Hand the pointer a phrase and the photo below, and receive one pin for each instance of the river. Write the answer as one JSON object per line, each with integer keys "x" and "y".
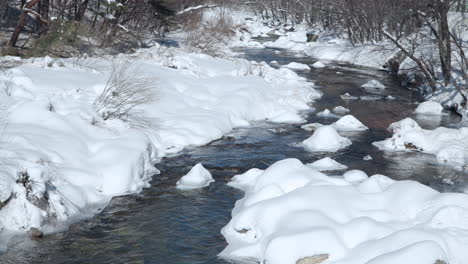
{"x": 167, "y": 226}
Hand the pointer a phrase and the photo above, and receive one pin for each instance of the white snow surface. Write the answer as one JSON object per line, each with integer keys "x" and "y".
{"x": 341, "y": 110}
{"x": 429, "y": 108}
{"x": 449, "y": 145}
{"x": 326, "y": 139}
{"x": 373, "y": 84}
{"x": 54, "y": 137}
{"x": 297, "y": 66}
{"x": 319, "y": 65}
{"x": 349, "y": 123}
{"x": 291, "y": 211}
{"x": 198, "y": 177}
{"x": 327, "y": 114}
{"x": 327, "y": 164}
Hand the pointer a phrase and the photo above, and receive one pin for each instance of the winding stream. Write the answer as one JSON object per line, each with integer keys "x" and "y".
{"x": 164, "y": 225}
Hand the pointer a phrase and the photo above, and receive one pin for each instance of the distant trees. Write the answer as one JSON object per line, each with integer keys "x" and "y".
{"x": 101, "y": 22}
{"x": 417, "y": 28}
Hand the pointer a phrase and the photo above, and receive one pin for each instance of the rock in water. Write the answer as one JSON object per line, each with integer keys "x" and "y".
{"x": 36, "y": 232}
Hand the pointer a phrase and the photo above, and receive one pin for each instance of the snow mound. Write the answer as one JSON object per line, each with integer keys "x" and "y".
{"x": 350, "y": 124}
{"x": 373, "y": 84}
{"x": 319, "y": 65}
{"x": 327, "y": 114}
{"x": 429, "y": 108}
{"x": 325, "y": 139}
{"x": 297, "y": 66}
{"x": 341, "y": 110}
{"x": 355, "y": 176}
{"x": 198, "y": 177}
{"x": 327, "y": 164}
{"x": 449, "y": 145}
{"x": 291, "y": 212}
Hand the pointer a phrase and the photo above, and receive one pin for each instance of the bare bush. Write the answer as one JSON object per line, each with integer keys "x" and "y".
{"x": 207, "y": 35}
{"x": 125, "y": 91}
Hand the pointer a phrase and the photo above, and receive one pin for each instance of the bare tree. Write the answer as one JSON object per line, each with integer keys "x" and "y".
{"x": 125, "y": 91}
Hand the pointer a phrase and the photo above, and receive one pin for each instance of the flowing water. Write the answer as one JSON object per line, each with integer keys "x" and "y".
{"x": 167, "y": 226}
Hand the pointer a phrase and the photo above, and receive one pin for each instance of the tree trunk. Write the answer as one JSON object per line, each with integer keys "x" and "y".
{"x": 81, "y": 10}
{"x": 444, "y": 41}
{"x": 21, "y": 22}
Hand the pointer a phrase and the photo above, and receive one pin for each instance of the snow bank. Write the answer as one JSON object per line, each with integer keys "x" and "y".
{"x": 327, "y": 164}
{"x": 61, "y": 160}
{"x": 429, "y": 108}
{"x": 449, "y": 145}
{"x": 198, "y": 177}
{"x": 325, "y": 139}
{"x": 293, "y": 213}
{"x": 297, "y": 66}
{"x": 373, "y": 84}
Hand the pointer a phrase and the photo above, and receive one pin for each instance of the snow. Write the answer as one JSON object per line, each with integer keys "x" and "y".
{"x": 325, "y": 139}
{"x": 327, "y": 114}
{"x": 346, "y": 123}
{"x": 447, "y": 144}
{"x": 341, "y": 110}
{"x": 429, "y": 108}
{"x": 350, "y": 124}
{"x": 327, "y": 164}
{"x": 319, "y": 65}
{"x": 355, "y": 176}
{"x": 298, "y": 66}
{"x": 368, "y": 158}
{"x": 291, "y": 212}
{"x": 55, "y": 143}
{"x": 373, "y": 84}
{"x": 198, "y": 177}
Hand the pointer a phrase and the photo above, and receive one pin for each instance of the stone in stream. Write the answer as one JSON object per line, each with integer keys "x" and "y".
{"x": 316, "y": 259}
{"x": 312, "y": 37}
{"x": 36, "y": 232}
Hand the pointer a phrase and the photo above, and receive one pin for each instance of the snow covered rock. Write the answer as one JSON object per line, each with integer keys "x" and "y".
{"x": 327, "y": 114}
{"x": 319, "y": 65}
{"x": 350, "y": 124}
{"x": 198, "y": 177}
{"x": 292, "y": 214}
{"x": 347, "y": 96}
{"x": 341, "y": 110}
{"x": 373, "y": 84}
{"x": 429, "y": 108}
{"x": 355, "y": 176}
{"x": 325, "y": 139}
{"x": 297, "y": 66}
{"x": 327, "y": 164}
{"x": 449, "y": 145}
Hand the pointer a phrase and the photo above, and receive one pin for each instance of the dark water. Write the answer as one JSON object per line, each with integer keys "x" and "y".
{"x": 164, "y": 225}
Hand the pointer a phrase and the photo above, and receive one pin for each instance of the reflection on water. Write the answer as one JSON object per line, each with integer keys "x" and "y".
{"x": 164, "y": 225}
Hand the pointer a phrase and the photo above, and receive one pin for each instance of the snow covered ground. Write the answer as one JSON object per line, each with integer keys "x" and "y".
{"x": 294, "y": 214}
{"x": 63, "y": 158}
